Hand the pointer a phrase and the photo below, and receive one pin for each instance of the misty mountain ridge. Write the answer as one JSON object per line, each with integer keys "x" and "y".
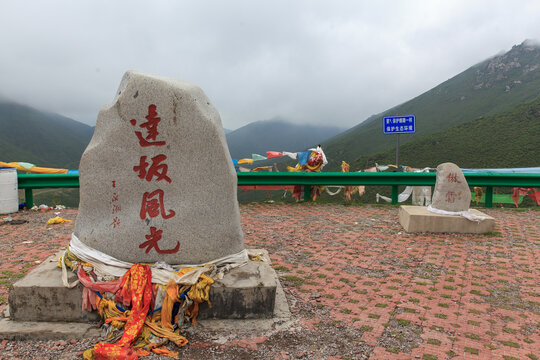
{"x": 51, "y": 140}
{"x": 43, "y": 138}
{"x": 276, "y": 134}
{"x": 492, "y": 86}
{"x": 505, "y": 140}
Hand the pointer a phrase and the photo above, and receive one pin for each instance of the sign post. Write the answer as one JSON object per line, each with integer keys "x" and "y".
{"x": 399, "y": 124}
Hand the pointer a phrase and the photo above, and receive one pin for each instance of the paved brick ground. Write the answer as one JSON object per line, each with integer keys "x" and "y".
{"x": 384, "y": 293}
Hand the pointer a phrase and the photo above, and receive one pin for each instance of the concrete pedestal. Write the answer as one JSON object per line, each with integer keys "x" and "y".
{"x": 419, "y": 219}
{"x": 248, "y": 292}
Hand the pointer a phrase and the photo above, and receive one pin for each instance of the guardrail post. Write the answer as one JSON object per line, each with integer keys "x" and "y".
{"x": 488, "y": 202}
{"x": 28, "y": 198}
{"x": 307, "y": 192}
{"x": 395, "y": 193}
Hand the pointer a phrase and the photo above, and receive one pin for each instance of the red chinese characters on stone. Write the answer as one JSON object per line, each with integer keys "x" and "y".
{"x": 152, "y": 204}
{"x": 152, "y": 242}
{"x": 116, "y": 208}
{"x": 156, "y": 169}
{"x": 451, "y": 196}
{"x": 151, "y": 124}
{"x": 452, "y": 177}
{"x": 116, "y": 222}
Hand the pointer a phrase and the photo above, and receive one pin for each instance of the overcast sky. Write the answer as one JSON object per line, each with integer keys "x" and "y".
{"x": 323, "y": 62}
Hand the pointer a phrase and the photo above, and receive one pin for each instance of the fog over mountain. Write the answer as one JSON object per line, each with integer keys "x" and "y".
{"x": 310, "y": 61}
{"x": 276, "y": 134}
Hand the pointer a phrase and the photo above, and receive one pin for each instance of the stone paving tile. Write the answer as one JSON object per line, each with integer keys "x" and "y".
{"x": 354, "y": 270}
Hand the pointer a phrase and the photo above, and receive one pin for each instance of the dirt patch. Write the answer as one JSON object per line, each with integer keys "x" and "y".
{"x": 400, "y": 336}
{"x": 373, "y": 273}
{"x": 509, "y": 297}
{"x": 429, "y": 271}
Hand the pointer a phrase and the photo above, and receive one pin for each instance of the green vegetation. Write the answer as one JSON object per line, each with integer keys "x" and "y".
{"x": 295, "y": 280}
{"x": 511, "y": 143}
{"x": 510, "y": 343}
{"x": 403, "y": 322}
{"x": 44, "y": 139}
{"x": 491, "y": 87}
{"x": 472, "y": 336}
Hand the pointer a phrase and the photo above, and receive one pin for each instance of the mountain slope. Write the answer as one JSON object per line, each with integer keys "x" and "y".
{"x": 45, "y": 139}
{"x": 493, "y": 86}
{"x": 276, "y": 135}
{"x": 508, "y": 139}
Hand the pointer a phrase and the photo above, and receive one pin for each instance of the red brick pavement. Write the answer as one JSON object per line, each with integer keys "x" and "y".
{"x": 424, "y": 296}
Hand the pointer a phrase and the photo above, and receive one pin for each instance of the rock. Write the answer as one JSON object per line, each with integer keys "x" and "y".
{"x": 451, "y": 191}
{"x": 156, "y": 181}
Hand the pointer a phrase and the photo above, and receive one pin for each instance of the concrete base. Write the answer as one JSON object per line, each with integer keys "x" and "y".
{"x": 42, "y": 330}
{"x": 41, "y": 296}
{"x": 222, "y": 328}
{"x": 248, "y": 292}
{"x": 419, "y": 219}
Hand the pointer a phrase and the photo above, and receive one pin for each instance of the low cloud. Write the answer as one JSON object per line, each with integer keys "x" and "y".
{"x": 309, "y": 61}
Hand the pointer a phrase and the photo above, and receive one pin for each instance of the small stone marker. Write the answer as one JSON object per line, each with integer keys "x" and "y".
{"x": 451, "y": 191}
{"x": 156, "y": 181}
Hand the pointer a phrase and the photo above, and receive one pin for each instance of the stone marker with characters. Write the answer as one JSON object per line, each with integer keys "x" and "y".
{"x": 156, "y": 181}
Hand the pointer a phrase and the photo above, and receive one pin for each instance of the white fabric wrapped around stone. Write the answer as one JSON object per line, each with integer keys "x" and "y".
{"x": 65, "y": 275}
{"x": 107, "y": 265}
{"x": 466, "y": 214}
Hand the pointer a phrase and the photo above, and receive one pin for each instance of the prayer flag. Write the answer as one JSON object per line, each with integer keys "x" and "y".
{"x": 273, "y": 154}
{"x": 290, "y": 154}
{"x": 257, "y": 157}
{"x": 245, "y": 161}
{"x": 303, "y": 157}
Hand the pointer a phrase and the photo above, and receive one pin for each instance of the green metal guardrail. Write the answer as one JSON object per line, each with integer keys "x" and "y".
{"x": 28, "y": 182}
{"x": 395, "y": 179}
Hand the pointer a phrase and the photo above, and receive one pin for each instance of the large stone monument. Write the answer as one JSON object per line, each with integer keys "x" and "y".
{"x": 157, "y": 185}
{"x": 449, "y": 210}
{"x": 156, "y": 181}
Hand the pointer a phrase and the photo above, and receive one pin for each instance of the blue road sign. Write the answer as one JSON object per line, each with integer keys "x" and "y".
{"x": 402, "y": 124}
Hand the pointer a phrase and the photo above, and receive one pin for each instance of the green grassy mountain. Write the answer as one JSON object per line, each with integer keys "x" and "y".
{"x": 508, "y": 139}
{"x": 44, "y": 139}
{"x": 490, "y": 87}
{"x": 276, "y": 135}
